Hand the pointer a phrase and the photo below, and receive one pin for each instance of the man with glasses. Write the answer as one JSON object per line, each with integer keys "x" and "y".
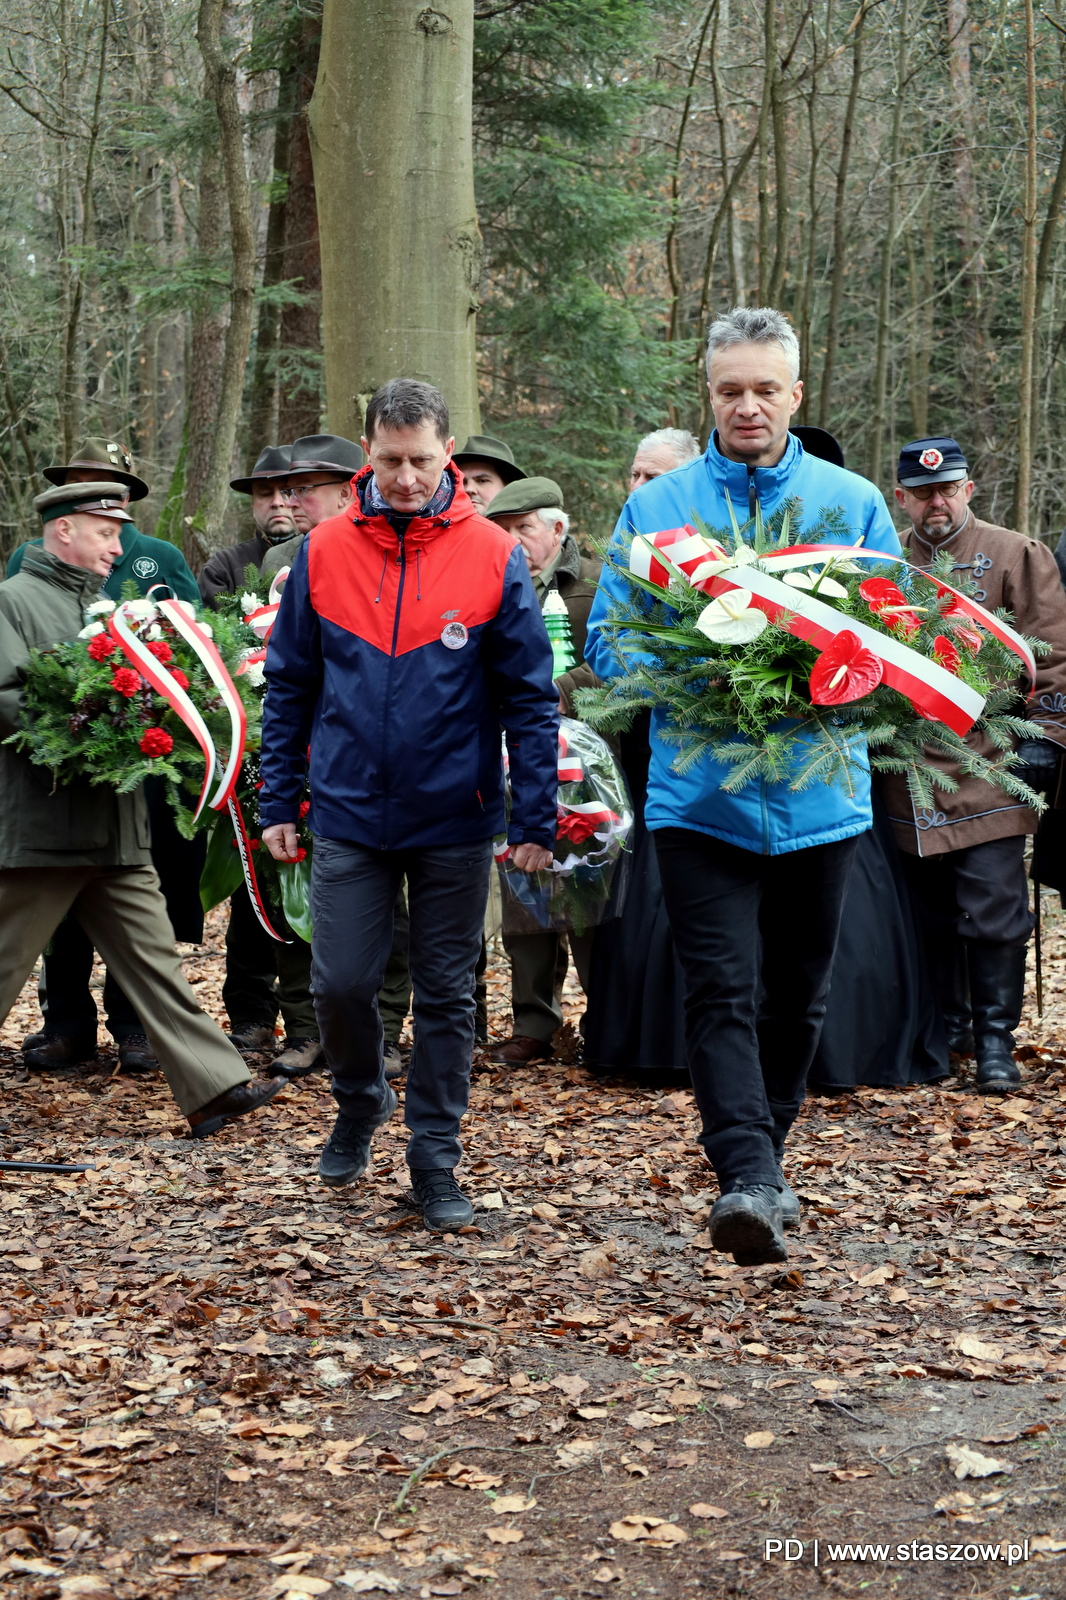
{"x": 321, "y": 469}
{"x": 272, "y": 513}
{"x": 264, "y": 976}
{"x": 963, "y": 856}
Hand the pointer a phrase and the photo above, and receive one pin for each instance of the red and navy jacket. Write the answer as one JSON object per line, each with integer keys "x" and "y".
{"x": 399, "y": 659}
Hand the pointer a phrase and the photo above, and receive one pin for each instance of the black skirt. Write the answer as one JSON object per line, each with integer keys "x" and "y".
{"x": 883, "y": 1027}
{"x": 634, "y": 1018}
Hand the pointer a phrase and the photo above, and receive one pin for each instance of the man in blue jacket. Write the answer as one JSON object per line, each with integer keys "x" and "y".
{"x": 753, "y": 881}
{"x": 408, "y": 638}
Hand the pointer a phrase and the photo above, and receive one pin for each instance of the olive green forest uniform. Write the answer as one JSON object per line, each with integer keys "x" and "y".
{"x": 84, "y": 848}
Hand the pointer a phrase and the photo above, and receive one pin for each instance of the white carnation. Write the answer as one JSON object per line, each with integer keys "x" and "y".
{"x": 100, "y": 608}
{"x": 91, "y": 628}
{"x": 254, "y": 674}
{"x": 141, "y": 610}
{"x": 249, "y": 602}
{"x": 154, "y": 632}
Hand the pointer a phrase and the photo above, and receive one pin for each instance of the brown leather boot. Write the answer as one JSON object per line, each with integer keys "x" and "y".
{"x": 135, "y": 1054}
{"x": 521, "y": 1051}
{"x": 236, "y": 1102}
{"x": 44, "y": 1052}
{"x": 299, "y": 1057}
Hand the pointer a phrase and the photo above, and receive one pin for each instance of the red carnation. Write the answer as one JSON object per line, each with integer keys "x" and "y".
{"x": 156, "y": 742}
{"x": 179, "y": 678}
{"x": 301, "y": 853}
{"x": 162, "y": 651}
{"x": 101, "y": 646}
{"x": 945, "y": 652}
{"x": 305, "y": 806}
{"x": 844, "y": 671}
{"x": 126, "y": 681}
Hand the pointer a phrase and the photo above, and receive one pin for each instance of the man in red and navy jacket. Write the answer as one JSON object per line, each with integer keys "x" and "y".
{"x": 408, "y": 638}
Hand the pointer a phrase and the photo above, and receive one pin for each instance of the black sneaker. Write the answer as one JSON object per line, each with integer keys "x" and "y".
{"x": 444, "y": 1205}
{"x": 347, "y": 1151}
{"x": 746, "y": 1224}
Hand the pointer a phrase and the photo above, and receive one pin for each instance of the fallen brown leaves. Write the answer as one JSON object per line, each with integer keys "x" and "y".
{"x": 207, "y": 1313}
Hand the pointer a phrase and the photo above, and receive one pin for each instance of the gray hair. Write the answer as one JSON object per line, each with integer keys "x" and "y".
{"x": 754, "y": 325}
{"x": 404, "y": 403}
{"x": 684, "y": 446}
{"x": 551, "y": 516}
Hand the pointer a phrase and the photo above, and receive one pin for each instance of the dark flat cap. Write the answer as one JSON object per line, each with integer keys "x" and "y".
{"x": 107, "y": 460}
{"x": 500, "y": 456}
{"x": 524, "y": 496}
{"x": 273, "y": 463}
{"x": 325, "y": 452}
{"x": 104, "y": 499}
{"x": 931, "y": 461}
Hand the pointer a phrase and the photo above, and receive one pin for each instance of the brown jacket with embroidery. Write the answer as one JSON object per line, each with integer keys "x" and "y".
{"x": 1019, "y": 574}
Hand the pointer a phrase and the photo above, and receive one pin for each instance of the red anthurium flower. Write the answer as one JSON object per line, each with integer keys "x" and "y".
{"x": 878, "y": 592}
{"x": 844, "y": 671}
{"x": 950, "y": 604}
{"x": 945, "y": 652}
{"x": 969, "y": 638}
{"x": 887, "y": 601}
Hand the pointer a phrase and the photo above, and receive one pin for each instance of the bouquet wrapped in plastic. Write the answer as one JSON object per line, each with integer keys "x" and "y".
{"x": 594, "y": 819}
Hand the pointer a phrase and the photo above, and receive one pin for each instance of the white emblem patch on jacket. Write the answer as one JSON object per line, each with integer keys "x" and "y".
{"x": 454, "y": 636}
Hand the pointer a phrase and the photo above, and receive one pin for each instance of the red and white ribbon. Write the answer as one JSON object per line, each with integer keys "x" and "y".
{"x": 570, "y": 768}
{"x": 244, "y": 850}
{"x": 200, "y": 641}
{"x": 180, "y": 615}
{"x": 929, "y": 686}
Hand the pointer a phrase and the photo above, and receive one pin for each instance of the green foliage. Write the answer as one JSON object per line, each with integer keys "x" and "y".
{"x": 573, "y": 362}
{"x": 748, "y": 705}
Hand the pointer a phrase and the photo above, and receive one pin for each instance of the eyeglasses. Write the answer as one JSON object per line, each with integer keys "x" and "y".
{"x": 926, "y": 491}
{"x": 309, "y": 488}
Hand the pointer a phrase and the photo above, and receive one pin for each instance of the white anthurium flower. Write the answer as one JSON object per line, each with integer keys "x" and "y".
{"x": 743, "y": 555}
{"x": 732, "y": 619}
{"x": 798, "y": 580}
{"x": 811, "y": 580}
{"x": 100, "y": 608}
{"x": 90, "y": 629}
{"x": 831, "y": 587}
{"x": 141, "y": 610}
{"x": 249, "y": 602}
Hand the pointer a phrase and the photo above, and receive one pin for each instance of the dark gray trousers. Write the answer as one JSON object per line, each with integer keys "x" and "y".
{"x": 353, "y": 896}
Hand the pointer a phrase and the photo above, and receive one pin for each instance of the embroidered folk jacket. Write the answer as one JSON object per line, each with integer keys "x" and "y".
{"x": 1019, "y": 574}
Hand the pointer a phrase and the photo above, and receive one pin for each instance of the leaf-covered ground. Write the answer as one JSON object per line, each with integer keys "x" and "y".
{"x": 219, "y": 1378}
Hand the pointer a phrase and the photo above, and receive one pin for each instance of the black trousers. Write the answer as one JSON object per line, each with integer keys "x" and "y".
{"x": 980, "y": 892}
{"x": 755, "y": 936}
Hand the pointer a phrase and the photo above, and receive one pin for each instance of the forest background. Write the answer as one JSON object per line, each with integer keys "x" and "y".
{"x": 890, "y": 172}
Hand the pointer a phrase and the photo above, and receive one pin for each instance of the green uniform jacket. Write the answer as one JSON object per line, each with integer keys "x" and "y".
{"x": 42, "y": 824}
{"x": 147, "y": 561}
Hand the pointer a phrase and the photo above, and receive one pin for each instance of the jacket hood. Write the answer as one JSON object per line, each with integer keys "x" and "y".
{"x": 78, "y": 581}
{"x": 420, "y": 530}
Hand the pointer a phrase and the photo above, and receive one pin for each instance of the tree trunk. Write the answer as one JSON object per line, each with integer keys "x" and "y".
{"x": 884, "y": 304}
{"x": 393, "y": 159}
{"x": 263, "y": 399}
{"x": 300, "y": 398}
{"x": 207, "y": 345}
{"x": 840, "y": 225}
{"x": 769, "y": 67}
{"x": 220, "y": 79}
{"x": 673, "y": 265}
{"x": 1023, "y": 479}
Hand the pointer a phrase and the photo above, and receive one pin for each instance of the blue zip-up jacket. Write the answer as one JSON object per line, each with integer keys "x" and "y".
{"x": 768, "y": 818}
{"x": 399, "y": 659}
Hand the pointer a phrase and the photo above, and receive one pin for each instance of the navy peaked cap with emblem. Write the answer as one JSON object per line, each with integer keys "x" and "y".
{"x": 931, "y": 461}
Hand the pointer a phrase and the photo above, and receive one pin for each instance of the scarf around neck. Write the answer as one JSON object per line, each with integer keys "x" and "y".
{"x": 375, "y": 504}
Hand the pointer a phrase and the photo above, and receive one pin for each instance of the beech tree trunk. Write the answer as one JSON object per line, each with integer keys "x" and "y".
{"x": 840, "y": 226}
{"x": 391, "y": 139}
{"x": 1023, "y": 481}
{"x": 220, "y": 80}
{"x": 300, "y": 398}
